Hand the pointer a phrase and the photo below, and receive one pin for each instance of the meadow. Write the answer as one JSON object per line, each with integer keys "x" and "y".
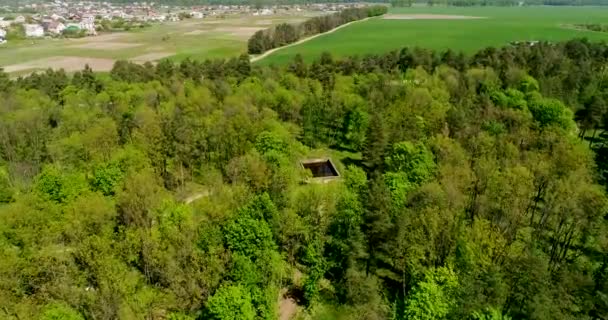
{"x": 193, "y": 38}
{"x": 495, "y": 26}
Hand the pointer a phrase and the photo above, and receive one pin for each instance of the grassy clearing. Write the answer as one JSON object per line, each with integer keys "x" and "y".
{"x": 199, "y": 39}
{"x": 500, "y": 26}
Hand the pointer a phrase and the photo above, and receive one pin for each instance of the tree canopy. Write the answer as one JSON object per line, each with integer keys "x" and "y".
{"x": 471, "y": 187}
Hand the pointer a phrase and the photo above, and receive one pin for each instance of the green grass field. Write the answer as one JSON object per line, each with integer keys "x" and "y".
{"x": 500, "y": 26}
{"x": 197, "y": 39}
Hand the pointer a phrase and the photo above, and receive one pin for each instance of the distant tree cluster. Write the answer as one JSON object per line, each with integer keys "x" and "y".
{"x": 285, "y": 33}
{"x": 119, "y": 24}
{"x": 592, "y": 27}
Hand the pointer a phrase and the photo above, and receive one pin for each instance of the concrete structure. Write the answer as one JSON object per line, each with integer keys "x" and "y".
{"x": 88, "y": 26}
{"x": 33, "y": 30}
{"x": 197, "y": 15}
{"x": 322, "y": 170}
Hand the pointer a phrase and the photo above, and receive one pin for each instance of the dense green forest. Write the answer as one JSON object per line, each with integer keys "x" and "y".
{"x": 472, "y": 188}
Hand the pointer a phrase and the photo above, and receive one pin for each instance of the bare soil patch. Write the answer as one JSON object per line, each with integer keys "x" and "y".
{"x": 69, "y": 64}
{"x": 107, "y": 37}
{"x": 195, "y": 32}
{"x": 106, "y": 45}
{"x": 287, "y": 308}
{"x": 427, "y": 17}
{"x": 263, "y": 22}
{"x": 152, "y": 56}
{"x": 244, "y": 32}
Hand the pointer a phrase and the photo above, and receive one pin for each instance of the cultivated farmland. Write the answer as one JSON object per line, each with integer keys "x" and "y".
{"x": 465, "y": 29}
{"x": 198, "y": 39}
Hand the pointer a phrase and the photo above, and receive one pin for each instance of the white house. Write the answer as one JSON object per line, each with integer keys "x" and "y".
{"x": 173, "y": 17}
{"x": 88, "y": 18}
{"x": 56, "y": 27}
{"x": 5, "y": 23}
{"x": 20, "y": 19}
{"x": 55, "y": 16}
{"x": 197, "y": 15}
{"x": 88, "y": 26}
{"x": 33, "y": 30}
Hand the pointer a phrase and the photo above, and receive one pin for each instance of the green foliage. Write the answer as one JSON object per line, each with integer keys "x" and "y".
{"x": 433, "y": 297}
{"x": 414, "y": 161}
{"x": 550, "y": 112}
{"x": 490, "y": 314}
{"x": 54, "y": 185}
{"x": 249, "y": 234}
{"x": 106, "y": 179}
{"x": 6, "y": 190}
{"x": 58, "y": 311}
{"x": 179, "y": 316}
{"x": 270, "y": 142}
{"x": 175, "y": 191}
{"x": 231, "y": 303}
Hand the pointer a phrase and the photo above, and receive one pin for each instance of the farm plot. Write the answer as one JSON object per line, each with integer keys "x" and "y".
{"x": 460, "y": 29}
{"x": 199, "y": 39}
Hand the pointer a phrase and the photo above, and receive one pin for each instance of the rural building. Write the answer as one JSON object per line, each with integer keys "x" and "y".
{"x": 55, "y": 27}
{"x": 322, "y": 170}
{"x": 173, "y": 17}
{"x": 57, "y": 17}
{"x": 263, "y": 12}
{"x": 197, "y": 15}
{"x": 88, "y": 26}
{"x": 33, "y": 30}
{"x": 20, "y": 19}
{"x": 5, "y": 23}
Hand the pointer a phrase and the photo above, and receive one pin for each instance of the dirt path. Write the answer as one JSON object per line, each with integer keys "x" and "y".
{"x": 196, "y": 196}
{"x": 271, "y": 51}
{"x": 287, "y": 308}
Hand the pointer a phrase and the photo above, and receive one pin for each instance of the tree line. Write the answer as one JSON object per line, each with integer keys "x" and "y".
{"x": 592, "y": 27}
{"x": 285, "y": 33}
{"x": 472, "y": 187}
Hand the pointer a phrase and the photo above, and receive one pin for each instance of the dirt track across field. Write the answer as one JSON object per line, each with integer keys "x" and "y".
{"x": 244, "y": 32}
{"x": 427, "y": 17}
{"x": 269, "y": 52}
{"x": 105, "y": 45}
